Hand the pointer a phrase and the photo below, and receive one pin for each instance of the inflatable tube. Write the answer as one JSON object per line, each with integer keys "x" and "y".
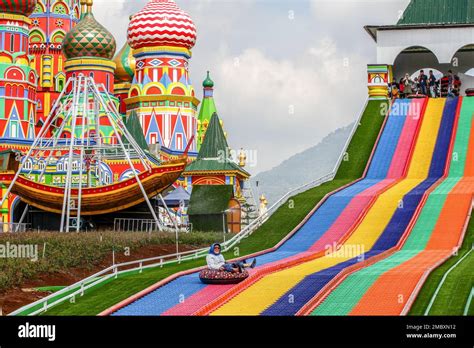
{"x": 209, "y": 276}
{"x": 470, "y": 92}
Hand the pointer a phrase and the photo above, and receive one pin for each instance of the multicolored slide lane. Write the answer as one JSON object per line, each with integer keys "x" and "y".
{"x": 389, "y": 286}
{"x": 315, "y": 283}
{"x": 276, "y": 288}
{"x": 387, "y": 164}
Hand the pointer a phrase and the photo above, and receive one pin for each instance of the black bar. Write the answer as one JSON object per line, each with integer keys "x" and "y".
{"x": 245, "y": 331}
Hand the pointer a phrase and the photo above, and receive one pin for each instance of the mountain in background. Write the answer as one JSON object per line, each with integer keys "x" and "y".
{"x": 301, "y": 168}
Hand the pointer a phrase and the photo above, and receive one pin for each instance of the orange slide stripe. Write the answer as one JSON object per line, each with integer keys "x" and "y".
{"x": 390, "y": 293}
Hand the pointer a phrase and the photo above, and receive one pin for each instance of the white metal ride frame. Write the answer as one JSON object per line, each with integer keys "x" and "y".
{"x": 82, "y": 101}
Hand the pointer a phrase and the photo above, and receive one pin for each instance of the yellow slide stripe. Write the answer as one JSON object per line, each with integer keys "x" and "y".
{"x": 270, "y": 288}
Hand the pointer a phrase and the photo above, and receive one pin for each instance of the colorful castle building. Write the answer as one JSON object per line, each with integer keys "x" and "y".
{"x": 162, "y": 36}
{"x": 46, "y": 42}
{"x": 50, "y": 22}
{"x": 18, "y": 83}
{"x": 19, "y": 79}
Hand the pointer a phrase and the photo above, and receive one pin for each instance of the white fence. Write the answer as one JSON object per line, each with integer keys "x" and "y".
{"x": 135, "y": 225}
{"x": 78, "y": 289}
{"x": 10, "y": 227}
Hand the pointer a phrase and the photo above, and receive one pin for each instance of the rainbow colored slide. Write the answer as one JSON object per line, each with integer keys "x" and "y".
{"x": 388, "y": 286}
{"x": 362, "y": 224}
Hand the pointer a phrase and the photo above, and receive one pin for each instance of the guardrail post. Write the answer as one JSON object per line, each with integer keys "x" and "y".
{"x": 161, "y": 263}
{"x": 179, "y": 259}
{"x": 45, "y": 306}
{"x": 82, "y": 289}
{"x": 141, "y": 267}
{"x": 116, "y": 272}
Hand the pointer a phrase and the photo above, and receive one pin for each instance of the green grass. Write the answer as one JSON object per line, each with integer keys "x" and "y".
{"x": 282, "y": 222}
{"x": 59, "y": 252}
{"x": 453, "y": 295}
{"x": 52, "y": 288}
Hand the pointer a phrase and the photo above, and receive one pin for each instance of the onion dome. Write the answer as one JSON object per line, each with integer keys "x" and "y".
{"x": 208, "y": 83}
{"x": 21, "y": 7}
{"x": 125, "y": 62}
{"x": 162, "y": 23}
{"x": 89, "y": 38}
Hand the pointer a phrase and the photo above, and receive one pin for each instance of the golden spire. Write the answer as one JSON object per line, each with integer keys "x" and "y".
{"x": 242, "y": 158}
{"x": 83, "y": 6}
{"x": 89, "y": 4}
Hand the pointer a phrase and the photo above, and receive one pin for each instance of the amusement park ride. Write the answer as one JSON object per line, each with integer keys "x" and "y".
{"x": 77, "y": 107}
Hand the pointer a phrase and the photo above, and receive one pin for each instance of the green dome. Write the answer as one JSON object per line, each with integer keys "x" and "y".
{"x": 89, "y": 39}
{"x": 208, "y": 83}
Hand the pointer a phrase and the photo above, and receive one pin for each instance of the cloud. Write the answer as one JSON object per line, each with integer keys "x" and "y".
{"x": 112, "y": 15}
{"x": 280, "y": 107}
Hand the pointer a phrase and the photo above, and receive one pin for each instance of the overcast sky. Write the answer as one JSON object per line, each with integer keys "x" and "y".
{"x": 286, "y": 73}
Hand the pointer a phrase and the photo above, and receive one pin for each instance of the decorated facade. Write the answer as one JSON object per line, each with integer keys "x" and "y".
{"x": 18, "y": 84}
{"x": 50, "y": 22}
{"x": 46, "y": 42}
{"x": 162, "y": 36}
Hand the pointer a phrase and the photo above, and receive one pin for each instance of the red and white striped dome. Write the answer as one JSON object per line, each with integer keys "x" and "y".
{"x": 161, "y": 23}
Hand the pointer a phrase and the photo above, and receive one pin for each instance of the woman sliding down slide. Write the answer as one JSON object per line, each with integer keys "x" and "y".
{"x": 215, "y": 261}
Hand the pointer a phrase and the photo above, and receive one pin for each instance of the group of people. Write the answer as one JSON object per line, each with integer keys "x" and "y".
{"x": 428, "y": 85}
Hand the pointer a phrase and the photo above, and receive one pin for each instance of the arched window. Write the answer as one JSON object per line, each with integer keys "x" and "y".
{"x": 14, "y": 73}
{"x": 60, "y": 8}
{"x": 39, "y": 8}
{"x": 134, "y": 93}
{"x": 413, "y": 59}
{"x": 28, "y": 165}
{"x": 153, "y": 91}
{"x": 36, "y": 36}
{"x": 60, "y": 82}
{"x": 21, "y": 92}
{"x": 178, "y": 91}
{"x": 58, "y": 37}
